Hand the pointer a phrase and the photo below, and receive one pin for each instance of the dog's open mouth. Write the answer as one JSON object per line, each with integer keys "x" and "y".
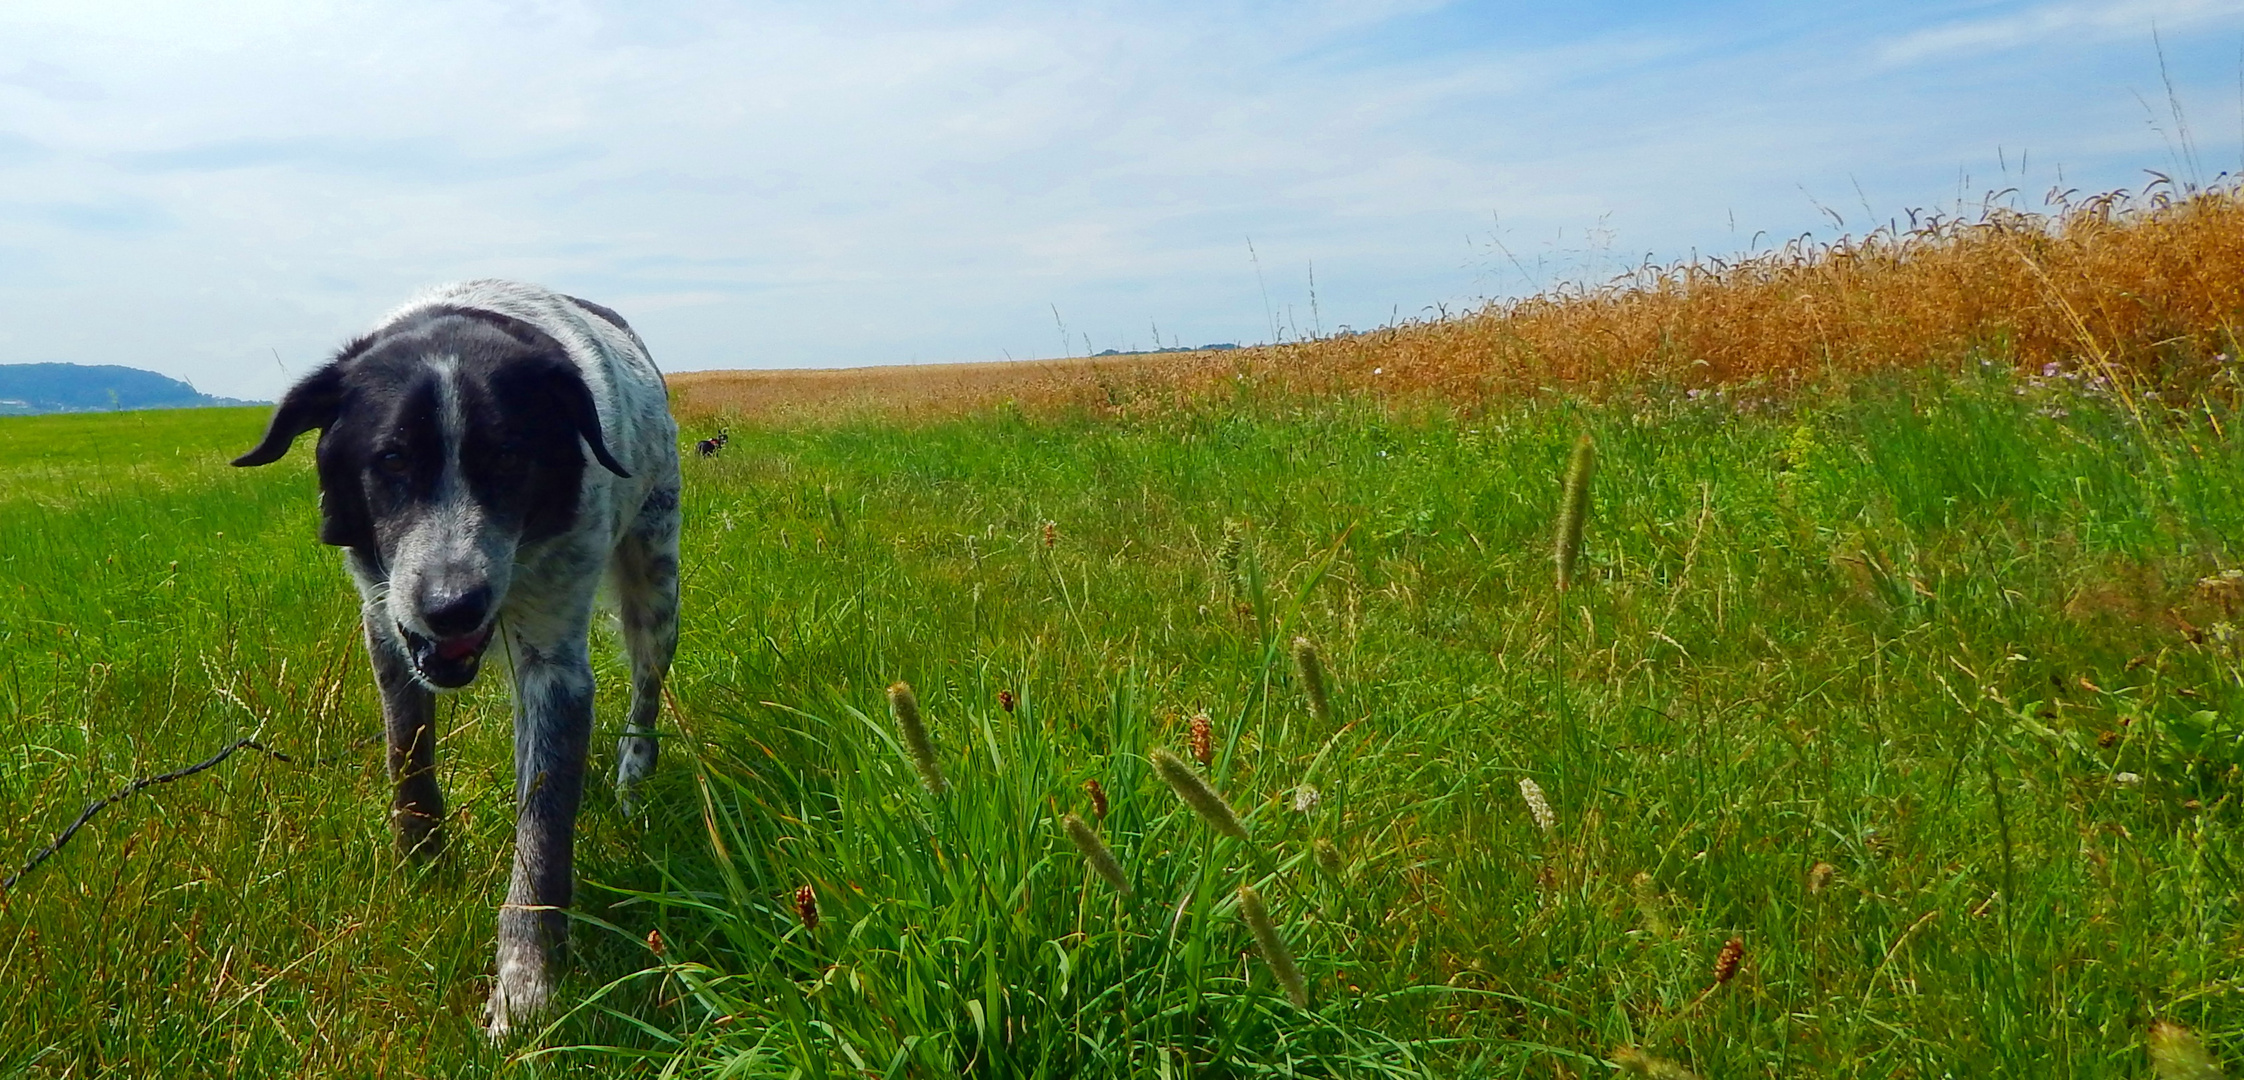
{"x": 448, "y": 662}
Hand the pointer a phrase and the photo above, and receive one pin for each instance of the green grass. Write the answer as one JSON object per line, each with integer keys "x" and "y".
{"x": 1923, "y": 632}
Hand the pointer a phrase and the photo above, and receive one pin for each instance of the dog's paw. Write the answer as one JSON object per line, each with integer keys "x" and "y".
{"x": 420, "y": 837}
{"x": 635, "y": 761}
{"x": 520, "y": 997}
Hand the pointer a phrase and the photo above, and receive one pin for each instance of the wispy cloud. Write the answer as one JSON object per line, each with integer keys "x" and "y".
{"x": 2078, "y": 21}
{"x": 428, "y": 159}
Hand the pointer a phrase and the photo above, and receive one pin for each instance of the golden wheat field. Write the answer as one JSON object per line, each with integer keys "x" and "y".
{"x": 2147, "y": 283}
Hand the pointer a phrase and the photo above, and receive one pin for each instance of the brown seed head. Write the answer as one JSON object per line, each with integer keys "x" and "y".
{"x": 1726, "y": 963}
{"x": 1098, "y": 797}
{"x": 654, "y": 942}
{"x": 1005, "y": 700}
{"x": 1202, "y": 740}
{"x": 1051, "y": 534}
{"x": 806, "y": 908}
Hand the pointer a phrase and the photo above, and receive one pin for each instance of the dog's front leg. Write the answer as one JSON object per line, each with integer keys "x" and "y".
{"x": 552, "y": 728}
{"x": 409, "y": 725}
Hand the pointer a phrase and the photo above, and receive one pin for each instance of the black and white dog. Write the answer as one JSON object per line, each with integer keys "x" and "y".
{"x": 709, "y": 446}
{"x": 487, "y": 454}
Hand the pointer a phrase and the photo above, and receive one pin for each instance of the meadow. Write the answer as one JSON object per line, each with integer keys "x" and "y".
{"x": 1891, "y": 724}
{"x": 1924, "y": 691}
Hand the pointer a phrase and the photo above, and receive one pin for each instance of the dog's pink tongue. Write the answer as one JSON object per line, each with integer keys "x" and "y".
{"x": 460, "y": 648}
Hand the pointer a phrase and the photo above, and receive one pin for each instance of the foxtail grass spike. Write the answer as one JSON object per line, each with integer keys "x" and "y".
{"x": 1574, "y": 508}
{"x": 917, "y": 743}
{"x": 1537, "y": 806}
{"x": 1328, "y": 856}
{"x": 1197, "y": 794}
{"x": 1648, "y": 904}
{"x": 1313, "y": 684}
{"x": 1227, "y": 554}
{"x": 1274, "y": 951}
{"x": 1096, "y": 852}
{"x": 2177, "y": 1053}
{"x": 1201, "y": 741}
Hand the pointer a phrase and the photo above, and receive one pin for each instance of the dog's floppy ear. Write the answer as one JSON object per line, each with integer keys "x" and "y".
{"x": 343, "y": 521}
{"x": 567, "y": 385}
{"x": 312, "y": 403}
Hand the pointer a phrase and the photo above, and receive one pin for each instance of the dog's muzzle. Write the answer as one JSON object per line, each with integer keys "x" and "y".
{"x": 450, "y": 663}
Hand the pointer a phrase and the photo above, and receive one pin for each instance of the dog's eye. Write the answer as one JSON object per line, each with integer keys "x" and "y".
{"x": 391, "y": 463}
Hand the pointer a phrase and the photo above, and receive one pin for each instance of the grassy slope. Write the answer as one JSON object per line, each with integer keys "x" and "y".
{"x": 1886, "y": 632}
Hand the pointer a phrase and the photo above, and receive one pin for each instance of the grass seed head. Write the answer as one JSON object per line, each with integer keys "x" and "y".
{"x": 1096, "y": 852}
{"x": 1274, "y": 951}
{"x": 806, "y": 907}
{"x": 1197, "y": 794}
{"x": 1098, "y": 798}
{"x": 1726, "y": 962}
{"x": 1537, "y": 806}
{"x": 1227, "y": 553}
{"x": 1574, "y": 508}
{"x": 1005, "y": 700}
{"x": 1201, "y": 740}
{"x": 905, "y": 706}
{"x": 1819, "y": 878}
{"x": 1635, "y": 1062}
{"x": 1648, "y": 903}
{"x": 1305, "y": 798}
{"x": 1328, "y": 856}
{"x": 1312, "y": 669}
{"x": 1051, "y": 534}
{"x": 2177, "y": 1053}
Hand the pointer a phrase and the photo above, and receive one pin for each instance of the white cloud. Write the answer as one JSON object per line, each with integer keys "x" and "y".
{"x": 2121, "y": 18}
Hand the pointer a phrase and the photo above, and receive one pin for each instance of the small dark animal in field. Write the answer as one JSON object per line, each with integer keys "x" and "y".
{"x": 714, "y": 443}
{"x": 488, "y": 453}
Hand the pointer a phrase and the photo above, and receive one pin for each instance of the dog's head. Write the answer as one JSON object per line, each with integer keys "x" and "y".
{"x": 448, "y": 440}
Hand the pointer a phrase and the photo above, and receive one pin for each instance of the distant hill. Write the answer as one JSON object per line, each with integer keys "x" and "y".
{"x": 49, "y": 388}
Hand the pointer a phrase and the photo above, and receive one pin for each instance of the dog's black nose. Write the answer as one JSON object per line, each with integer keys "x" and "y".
{"x": 451, "y": 614}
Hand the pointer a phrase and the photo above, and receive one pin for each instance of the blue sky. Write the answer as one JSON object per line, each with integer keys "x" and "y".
{"x": 224, "y": 191}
